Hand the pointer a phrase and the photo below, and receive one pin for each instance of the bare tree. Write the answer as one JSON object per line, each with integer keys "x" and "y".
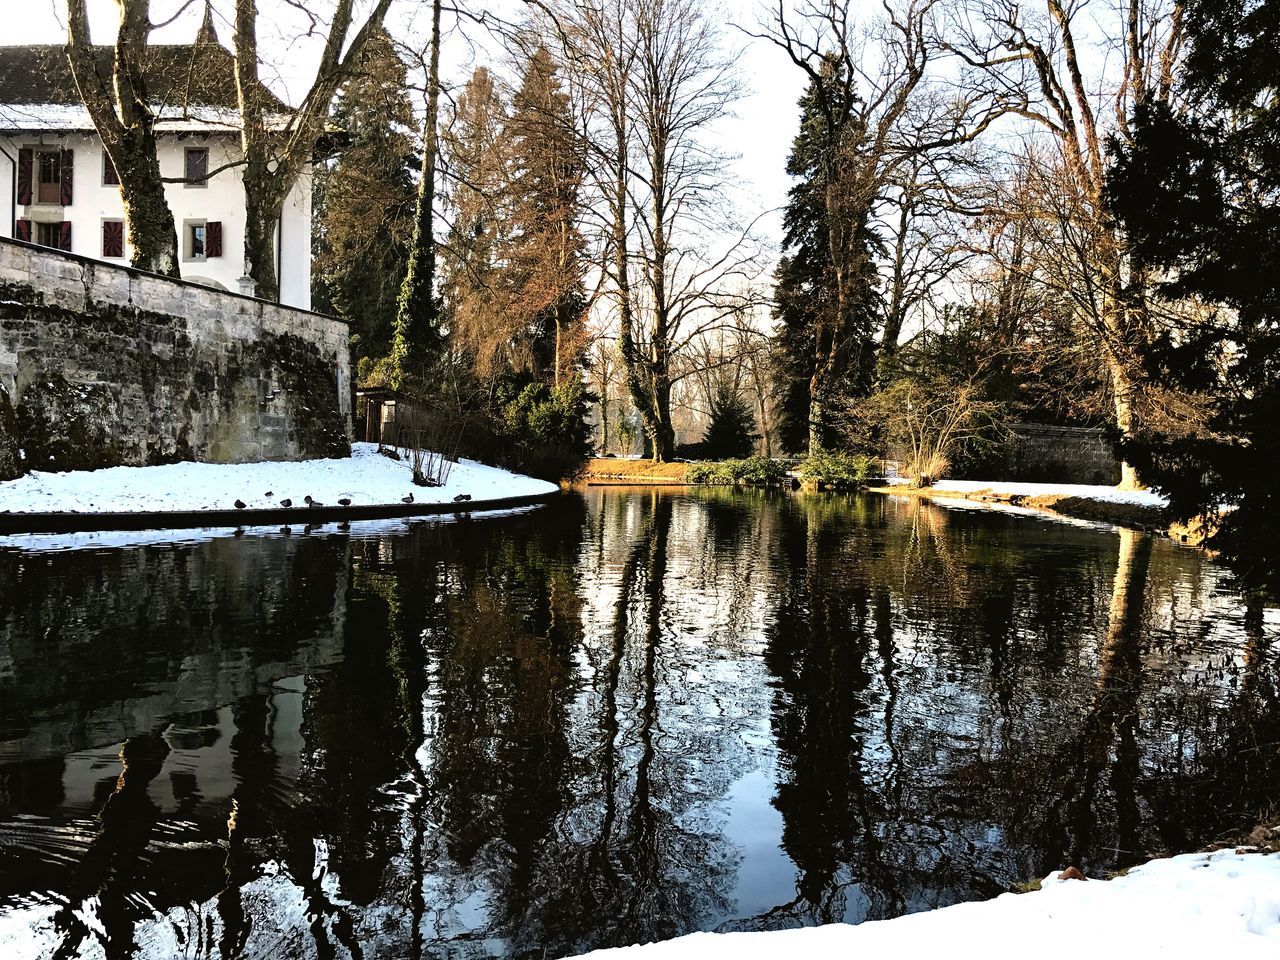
{"x": 1035, "y": 56}
{"x": 654, "y": 77}
{"x": 123, "y": 114}
{"x": 276, "y": 150}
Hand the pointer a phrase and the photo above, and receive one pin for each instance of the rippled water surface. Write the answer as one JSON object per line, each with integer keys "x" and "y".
{"x": 623, "y": 717}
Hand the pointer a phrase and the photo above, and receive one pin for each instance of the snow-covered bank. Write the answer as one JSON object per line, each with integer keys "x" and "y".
{"x": 998, "y": 488}
{"x": 366, "y": 478}
{"x": 1139, "y": 498}
{"x": 1196, "y": 906}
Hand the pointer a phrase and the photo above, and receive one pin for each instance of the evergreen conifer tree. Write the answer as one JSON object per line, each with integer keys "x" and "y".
{"x": 730, "y": 431}
{"x": 365, "y": 201}
{"x": 804, "y": 286}
{"x": 1199, "y": 197}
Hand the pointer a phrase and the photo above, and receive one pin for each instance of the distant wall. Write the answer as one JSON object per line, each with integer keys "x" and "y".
{"x": 103, "y": 365}
{"x": 1050, "y": 454}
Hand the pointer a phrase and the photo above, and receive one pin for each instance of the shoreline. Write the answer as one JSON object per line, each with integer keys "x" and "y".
{"x": 1146, "y": 518}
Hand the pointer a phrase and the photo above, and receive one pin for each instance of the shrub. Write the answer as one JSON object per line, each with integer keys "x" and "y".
{"x": 755, "y": 471}
{"x": 837, "y": 469}
{"x": 547, "y": 429}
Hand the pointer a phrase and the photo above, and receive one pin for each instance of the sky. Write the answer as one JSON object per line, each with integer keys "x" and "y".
{"x": 757, "y": 134}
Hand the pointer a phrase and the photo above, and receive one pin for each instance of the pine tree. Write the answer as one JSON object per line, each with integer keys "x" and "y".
{"x": 730, "y": 430}
{"x": 804, "y": 288}
{"x": 1199, "y": 196}
{"x": 366, "y": 201}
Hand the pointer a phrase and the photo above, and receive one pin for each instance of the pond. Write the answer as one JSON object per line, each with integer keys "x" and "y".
{"x": 626, "y": 716}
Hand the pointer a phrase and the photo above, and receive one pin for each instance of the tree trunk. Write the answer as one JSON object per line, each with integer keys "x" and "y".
{"x": 153, "y": 235}
{"x": 122, "y": 115}
{"x": 416, "y": 319}
{"x": 263, "y": 207}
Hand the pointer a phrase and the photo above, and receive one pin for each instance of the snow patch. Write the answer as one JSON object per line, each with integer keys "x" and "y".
{"x": 366, "y": 478}
{"x": 1190, "y": 907}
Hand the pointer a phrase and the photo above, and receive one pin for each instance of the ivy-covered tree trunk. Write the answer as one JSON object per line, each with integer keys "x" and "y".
{"x": 152, "y": 233}
{"x": 417, "y": 323}
{"x": 122, "y": 115}
{"x": 263, "y": 207}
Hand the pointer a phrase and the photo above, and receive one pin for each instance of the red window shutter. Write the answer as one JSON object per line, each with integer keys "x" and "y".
{"x": 213, "y": 238}
{"x": 68, "y": 157}
{"x": 110, "y": 177}
{"x": 113, "y": 238}
{"x": 64, "y": 236}
{"x": 24, "y": 177}
{"x": 24, "y": 230}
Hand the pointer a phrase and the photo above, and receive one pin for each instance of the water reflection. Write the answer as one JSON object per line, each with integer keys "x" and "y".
{"x": 625, "y": 717}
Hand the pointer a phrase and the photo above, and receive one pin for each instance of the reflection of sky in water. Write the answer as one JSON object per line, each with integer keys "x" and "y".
{"x": 624, "y": 717}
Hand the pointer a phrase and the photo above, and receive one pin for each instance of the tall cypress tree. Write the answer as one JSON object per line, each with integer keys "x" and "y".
{"x": 804, "y": 284}
{"x": 1199, "y": 196}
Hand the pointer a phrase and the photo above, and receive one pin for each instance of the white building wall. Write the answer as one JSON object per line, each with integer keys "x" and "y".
{"x": 222, "y": 199}
{"x": 294, "y": 245}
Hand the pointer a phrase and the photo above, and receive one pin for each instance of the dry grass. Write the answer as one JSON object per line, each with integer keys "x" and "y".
{"x": 619, "y": 470}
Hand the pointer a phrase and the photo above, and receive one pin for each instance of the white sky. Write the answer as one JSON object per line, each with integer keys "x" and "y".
{"x": 758, "y": 134}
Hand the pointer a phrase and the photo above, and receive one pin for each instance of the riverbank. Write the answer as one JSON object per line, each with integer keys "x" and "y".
{"x": 1140, "y": 509}
{"x": 183, "y": 494}
{"x": 628, "y": 471}
{"x": 1193, "y": 906}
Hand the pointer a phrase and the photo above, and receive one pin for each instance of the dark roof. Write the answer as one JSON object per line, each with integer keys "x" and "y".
{"x": 200, "y": 74}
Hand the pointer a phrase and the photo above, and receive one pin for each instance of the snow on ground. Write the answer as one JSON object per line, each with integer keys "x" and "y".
{"x": 1193, "y": 907}
{"x": 1142, "y": 498}
{"x": 366, "y": 477}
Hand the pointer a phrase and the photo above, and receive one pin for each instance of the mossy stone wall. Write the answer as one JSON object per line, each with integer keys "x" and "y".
{"x": 102, "y": 365}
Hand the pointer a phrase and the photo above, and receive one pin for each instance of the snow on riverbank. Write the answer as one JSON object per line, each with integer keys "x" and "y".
{"x": 1140, "y": 498}
{"x": 366, "y": 478}
{"x": 1192, "y": 907}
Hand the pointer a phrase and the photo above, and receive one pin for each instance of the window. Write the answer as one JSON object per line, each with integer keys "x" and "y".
{"x": 113, "y": 238}
{"x": 54, "y": 234}
{"x": 194, "y": 240}
{"x": 110, "y": 178}
{"x": 197, "y": 166}
{"x": 49, "y": 167}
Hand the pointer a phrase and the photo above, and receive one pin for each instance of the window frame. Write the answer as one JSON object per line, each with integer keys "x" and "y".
{"x": 189, "y": 227}
{"x": 52, "y": 226}
{"x": 108, "y": 165}
{"x": 38, "y": 183}
{"x": 124, "y": 240}
{"x": 187, "y": 182}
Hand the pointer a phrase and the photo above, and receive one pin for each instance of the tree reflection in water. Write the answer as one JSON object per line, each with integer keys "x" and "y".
{"x": 622, "y": 718}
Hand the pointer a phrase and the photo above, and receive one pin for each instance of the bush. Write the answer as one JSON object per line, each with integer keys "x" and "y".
{"x": 755, "y": 471}
{"x": 546, "y": 428}
{"x": 837, "y": 469}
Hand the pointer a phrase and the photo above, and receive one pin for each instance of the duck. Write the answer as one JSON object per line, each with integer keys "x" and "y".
{"x": 286, "y": 502}
{"x": 461, "y": 497}
{"x": 344, "y": 501}
{"x": 310, "y": 502}
{"x": 269, "y": 493}
{"x": 240, "y": 504}
{"x": 408, "y": 499}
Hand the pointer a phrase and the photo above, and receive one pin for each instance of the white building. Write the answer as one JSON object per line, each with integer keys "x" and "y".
{"x": 58, "y": 188}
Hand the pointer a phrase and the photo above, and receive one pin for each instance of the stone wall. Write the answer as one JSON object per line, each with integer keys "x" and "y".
{"x": 1044, "y": 453}
{"x": 103, "y": 365}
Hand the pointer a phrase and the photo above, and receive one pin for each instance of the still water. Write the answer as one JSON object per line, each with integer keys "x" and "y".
{"x": 623, "y": 717}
